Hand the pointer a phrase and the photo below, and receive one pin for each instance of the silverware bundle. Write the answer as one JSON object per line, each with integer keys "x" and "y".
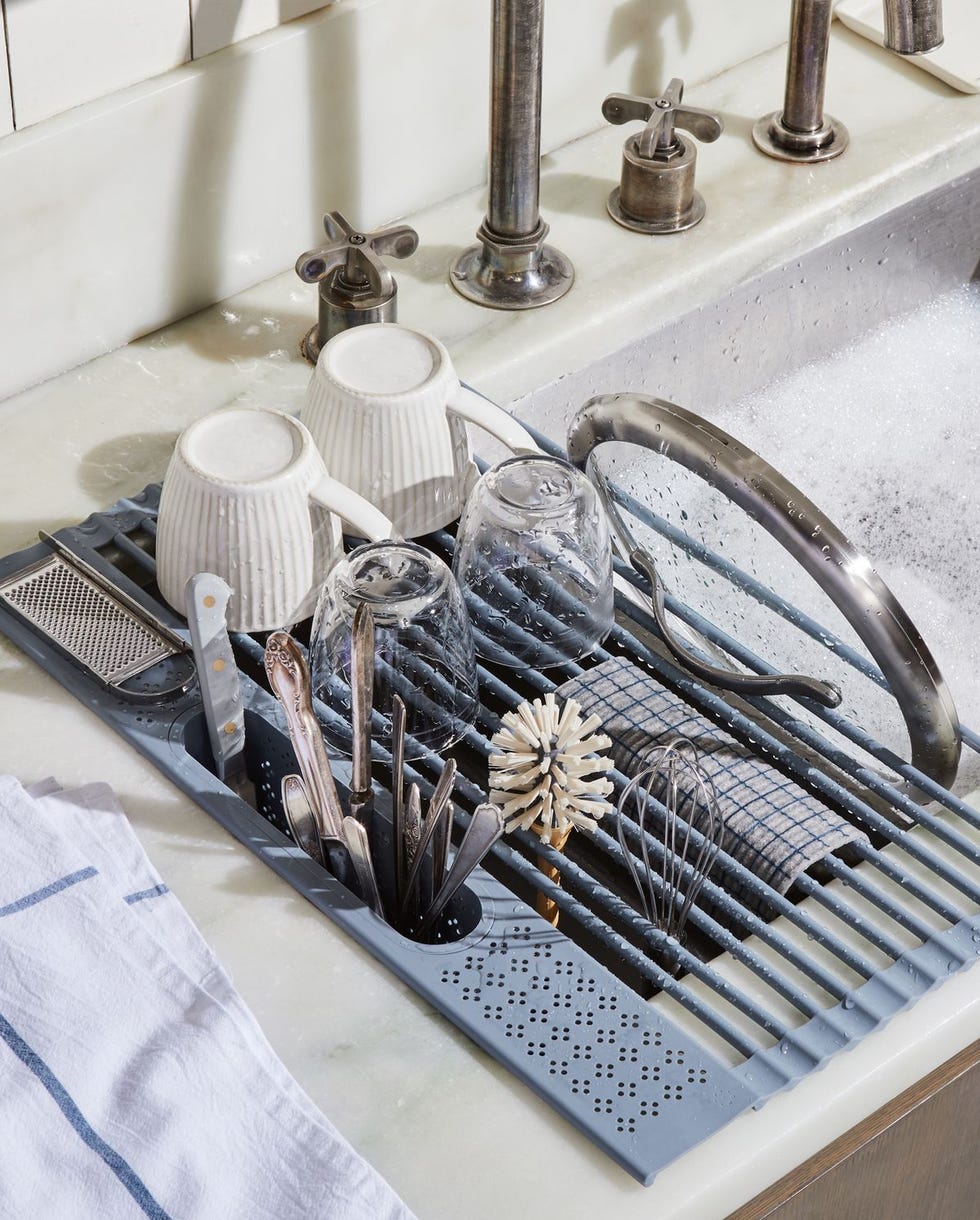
{"x": 310, "y": 799}
{"x": 423, "y": 883}
{"x": 423, "y": 887}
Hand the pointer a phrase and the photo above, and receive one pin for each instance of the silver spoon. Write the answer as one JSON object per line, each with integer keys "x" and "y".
{"x": 289, "y": 678}
{"x": 410, "y": 853}
{"x": 302, "y": 823}
{"x": 485, "y": 828}
{"x": 302, "y": 820}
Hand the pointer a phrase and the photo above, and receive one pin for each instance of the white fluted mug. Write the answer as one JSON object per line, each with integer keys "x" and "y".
{"x": 389, "y": 416}
{"x": 248, "y": 497}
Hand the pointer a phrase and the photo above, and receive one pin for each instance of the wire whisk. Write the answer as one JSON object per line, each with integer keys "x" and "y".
{"x": 686, "y": 835}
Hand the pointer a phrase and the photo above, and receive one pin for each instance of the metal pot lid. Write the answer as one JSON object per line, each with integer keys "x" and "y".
{"x": 839, "y": 569}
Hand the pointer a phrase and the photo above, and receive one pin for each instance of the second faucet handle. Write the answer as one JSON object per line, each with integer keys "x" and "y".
{"x": 662, "y": 115}
{"x": 656, "y": 192}
{"x": 355, "y": 285}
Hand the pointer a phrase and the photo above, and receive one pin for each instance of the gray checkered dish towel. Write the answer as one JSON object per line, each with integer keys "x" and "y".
{"x": 773, "y": 827}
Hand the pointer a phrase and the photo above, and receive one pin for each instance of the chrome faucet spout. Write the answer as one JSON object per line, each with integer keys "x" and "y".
{"x": 913, "y": 27}
{"x": 801, "y": 131}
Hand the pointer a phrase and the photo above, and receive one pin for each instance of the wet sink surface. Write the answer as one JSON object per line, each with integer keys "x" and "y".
{"x": 853, "y": 371}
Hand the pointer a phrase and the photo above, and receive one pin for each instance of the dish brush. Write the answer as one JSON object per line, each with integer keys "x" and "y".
{"x": 549, "y": 777}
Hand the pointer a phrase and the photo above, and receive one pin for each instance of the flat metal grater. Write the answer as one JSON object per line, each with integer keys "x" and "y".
{"x": 104, "y": 632}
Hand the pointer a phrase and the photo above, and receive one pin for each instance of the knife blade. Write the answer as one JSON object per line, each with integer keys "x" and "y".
{"x": 362, "y": 702}
{"x": 422, "y": 881}
{"x": 206, "y": 599}
{"x": 356, "y": 841}
{"x": 398, "y": 716}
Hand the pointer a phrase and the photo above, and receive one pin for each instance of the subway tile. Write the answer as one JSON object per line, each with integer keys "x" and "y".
{"x": 219, "y": 23}
{"x": 63, "y": 53}
{"x": 6, "y": 111}
{"x": 187, "y": 188}
{"x": 638, "y": 46}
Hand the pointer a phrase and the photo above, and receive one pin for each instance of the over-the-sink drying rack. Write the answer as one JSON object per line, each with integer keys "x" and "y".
{"x": 645, "y": 1060}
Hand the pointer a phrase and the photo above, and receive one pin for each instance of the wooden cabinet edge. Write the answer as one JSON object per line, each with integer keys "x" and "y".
{"x": 863, "y": 1134}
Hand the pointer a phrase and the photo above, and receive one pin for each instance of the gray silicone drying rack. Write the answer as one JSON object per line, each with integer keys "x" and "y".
{"x": 569, "y": 1014}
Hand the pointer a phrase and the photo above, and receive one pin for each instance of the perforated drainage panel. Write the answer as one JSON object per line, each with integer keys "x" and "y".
{"x": 775, "y": 987}
{"x": 626, "y": 1078}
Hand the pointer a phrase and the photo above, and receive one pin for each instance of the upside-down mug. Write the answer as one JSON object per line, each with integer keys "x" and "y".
{"x": 389, "y": 415}
{"x": 247, "y": 496}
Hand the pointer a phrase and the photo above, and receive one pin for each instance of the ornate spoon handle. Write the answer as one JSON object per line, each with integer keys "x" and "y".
{"x": 289, "y": 678}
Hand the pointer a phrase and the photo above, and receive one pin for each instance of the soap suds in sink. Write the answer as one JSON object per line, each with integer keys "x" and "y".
{"x": 884, "y": 437}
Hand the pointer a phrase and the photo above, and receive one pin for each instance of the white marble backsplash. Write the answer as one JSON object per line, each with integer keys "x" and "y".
{"x": 62, "y": 54}
{"x": 123, "y": 214}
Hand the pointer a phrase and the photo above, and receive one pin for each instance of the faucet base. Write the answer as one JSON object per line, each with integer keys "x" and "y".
{"x": 687, "y": 219}
{"x": 339, "y": 312}
{"x": 309, "y": 345}
{"x": 775, "y": 139}
{"x": 512, "y": 275}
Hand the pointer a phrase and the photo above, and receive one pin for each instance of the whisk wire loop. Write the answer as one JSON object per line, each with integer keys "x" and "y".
{"x": 674, "y": 790}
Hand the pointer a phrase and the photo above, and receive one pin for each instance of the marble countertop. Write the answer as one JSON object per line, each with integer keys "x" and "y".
{"x": 453, "y": 1131}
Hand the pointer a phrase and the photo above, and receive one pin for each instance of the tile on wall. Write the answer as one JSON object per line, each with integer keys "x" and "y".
{"x": 210, "y": 179}
{"x": 6, "y": 112}
{"x": 219, "y": 23}
{"x": 637, "y": 46}
{"x": 63, "y": 53}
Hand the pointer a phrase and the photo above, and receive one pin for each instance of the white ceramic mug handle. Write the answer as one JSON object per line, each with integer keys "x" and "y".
{"x": 359, "y": 513}
{"x": 476, "y": 409}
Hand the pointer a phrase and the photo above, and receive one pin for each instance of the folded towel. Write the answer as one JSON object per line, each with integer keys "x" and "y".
{"x": 134, "y": 1081}
{"x": 775, "y": 828}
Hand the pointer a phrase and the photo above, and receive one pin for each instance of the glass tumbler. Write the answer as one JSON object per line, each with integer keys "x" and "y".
{"x": 534, "y": 562}
{"x": 423, "y": 646}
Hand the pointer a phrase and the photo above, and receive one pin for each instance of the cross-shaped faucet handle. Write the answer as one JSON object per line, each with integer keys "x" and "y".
{"x": 661, "y": 115}
{"x": 357, "y": 255}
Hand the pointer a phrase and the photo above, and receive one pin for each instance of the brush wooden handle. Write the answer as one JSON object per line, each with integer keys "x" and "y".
{"x": 544, "y": 906}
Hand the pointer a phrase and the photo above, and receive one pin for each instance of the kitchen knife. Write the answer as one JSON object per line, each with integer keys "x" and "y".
{"x": 206, "y": 599}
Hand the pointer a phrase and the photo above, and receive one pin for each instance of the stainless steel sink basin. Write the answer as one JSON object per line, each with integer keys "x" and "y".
{"x": 853, "y": 371}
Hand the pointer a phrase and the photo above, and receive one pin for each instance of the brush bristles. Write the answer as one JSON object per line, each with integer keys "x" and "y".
{"x": 548, "y": 774}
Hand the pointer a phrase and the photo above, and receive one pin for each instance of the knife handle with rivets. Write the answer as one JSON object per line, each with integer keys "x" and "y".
{"x": 206, "y": 598}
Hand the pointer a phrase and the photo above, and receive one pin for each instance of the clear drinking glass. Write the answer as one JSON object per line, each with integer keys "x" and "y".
{"x": 423, "y": 645}
{"x": 534, "y": 562}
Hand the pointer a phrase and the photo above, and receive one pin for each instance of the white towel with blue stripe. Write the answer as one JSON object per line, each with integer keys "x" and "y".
{"x": 134, "y": 1082}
